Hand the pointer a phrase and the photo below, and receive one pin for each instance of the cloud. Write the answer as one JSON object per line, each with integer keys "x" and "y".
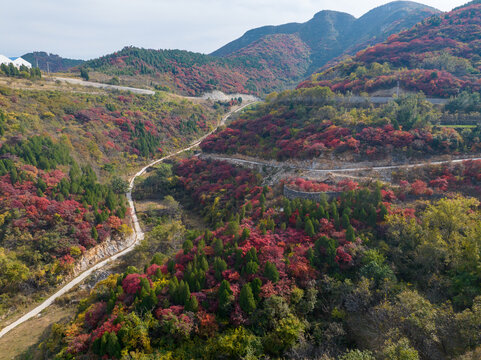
{"x": 91, "y": 28}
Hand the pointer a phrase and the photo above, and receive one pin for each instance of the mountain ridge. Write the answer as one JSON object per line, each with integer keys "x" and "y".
{"x": 331, "y": 33}
{"x": 55, "y": 62}
{"x": 267, "y": 59}
{"x": 439, "y": 56}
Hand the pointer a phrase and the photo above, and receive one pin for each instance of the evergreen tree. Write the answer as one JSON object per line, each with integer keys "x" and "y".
{"x": 224, "y": 294}
{"x": 192, "y": 304}
{"x": 309, "y": 228}
{"x": 382, "y": 212}
{"x": 299, "y": 223}
{"x": 350, "y": 236}
{"x": 13, "y": 175}
{"x": 84, "y": 74}
{"x": 372, "y": 216}
{"x": 112, "y": 346}
{"x": 245, "y": 234}
{"x": 187, "y": 246}
{"x": 335, "y": 214}
{"x": 246, "y": 299}
{"x": 94, "y": 233}
{"x": 345, "y": 222}
{"x": 218, "y": 247}
{"x": 252, "y": 255}
{"x": 251, "y": 268}
{"x": 219, "y": 267}
{"x": 256, "y": 286}
{"x": 270, "y": 272}
{"x": 377, "y": 196}
{"x": 183, "y": 293}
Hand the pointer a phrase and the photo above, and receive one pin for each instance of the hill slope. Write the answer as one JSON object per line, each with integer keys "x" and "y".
{"x": 55, "y": 63}
{"x": 439, "y": 56}
{"x": 329, "y": 34}
{"x": 263, "y": 60}
{"x": 193, "y": 73}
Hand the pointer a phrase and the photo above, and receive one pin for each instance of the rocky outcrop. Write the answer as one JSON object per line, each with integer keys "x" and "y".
{"x": 106, "y": 249}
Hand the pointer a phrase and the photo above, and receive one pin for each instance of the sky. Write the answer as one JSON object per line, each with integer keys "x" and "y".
{"x": 85, "y": 29}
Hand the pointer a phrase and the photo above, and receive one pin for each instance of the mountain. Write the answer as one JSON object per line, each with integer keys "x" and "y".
{"x": 55, "y": 62}
{"x": 264, "y": 60}
{"x": 58, "y": 171}
{"x": 363, "y": 275}
{"x": 330, "y": 34}
{"x": 439, "y": 56}
{"x": 193, "y": 73}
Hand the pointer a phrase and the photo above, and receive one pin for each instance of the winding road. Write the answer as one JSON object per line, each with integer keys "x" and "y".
{"x": 104, "y": 86}
{"x": 138, "y": 234}
{"x": 259, "y": 162}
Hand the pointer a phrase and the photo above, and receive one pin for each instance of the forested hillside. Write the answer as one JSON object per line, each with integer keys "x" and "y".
{"x": 55, "y": 63}
{"x": 110, "y": 131}
{"x": 264, "y": 60}
{"x": 52, "y": 211}
{"x": 194, "y": 74}
{"x": 366, "y": 275}
{"x": 64, "y": 160}
{"x": 330, "y": 34}
{"x": 439, "y": 56}
{"x": 310, "y": 123}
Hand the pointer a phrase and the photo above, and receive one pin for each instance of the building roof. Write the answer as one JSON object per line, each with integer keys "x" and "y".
{"x": 19, "y": 61}
{"x": 5, "y": 60}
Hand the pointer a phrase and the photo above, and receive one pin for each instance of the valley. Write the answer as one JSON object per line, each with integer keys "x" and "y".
{"x": 307, "y": 191}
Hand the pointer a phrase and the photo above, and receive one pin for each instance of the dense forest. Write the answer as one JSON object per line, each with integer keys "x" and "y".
{"x": 23, "y": 72}
{"x": 110, "y": 131}
{"x": 269, "y": 262}
{"x": 316, "y": 123}
{"x": 266, "y": 59}
{"x": 439, "y": 56}
{"x": 366, "y": 275}
{"x": 52, "y": 211}
{"x": 191, "y": 73}
{"x": 50, "y": 62}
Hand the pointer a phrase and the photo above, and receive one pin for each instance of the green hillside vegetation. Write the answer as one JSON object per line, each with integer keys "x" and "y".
{"x": 110, "y": 131}
{"x": 439, "y": 56}
{"x": 263, "y": 60}
{"x": 277, "y": 278}
{"x": 55, "y": 62}
{"x": 330, "y": 34}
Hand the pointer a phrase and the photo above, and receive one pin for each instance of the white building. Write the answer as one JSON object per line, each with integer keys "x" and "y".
{"x": 4, "y": 60}
{"x": 19, "y": 62}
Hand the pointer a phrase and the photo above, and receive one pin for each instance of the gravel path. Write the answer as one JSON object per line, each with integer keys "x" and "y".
{"x": 105, "y": 86}
{"x": 310, "y": 169}
{"x": 138, "y": 236}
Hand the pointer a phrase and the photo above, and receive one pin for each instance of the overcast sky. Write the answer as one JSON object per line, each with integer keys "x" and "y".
{"x": 86, "y": 29}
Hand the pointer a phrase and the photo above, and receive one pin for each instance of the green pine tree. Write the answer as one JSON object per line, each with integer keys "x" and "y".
{"x": 309, "y": 228}
{"x": 224, "y": 294}
{"x": 94, "y": 233}
{"x": 192, "y": 304}
{"x": 218, "y": 247}
{"x": 345, "y": 222}
{"x": 256, "y": 286}
{"x": 246, "y": 299}
{"x": 350, "y": 236}
{"x": 251, "y": 268}
{"x": 270, "y": 272}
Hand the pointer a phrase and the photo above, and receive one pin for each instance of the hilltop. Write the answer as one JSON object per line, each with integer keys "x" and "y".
{"x": 330, "y": 34}
{"x": 439, "y": 56}
{"x": 264, "y": 59}
{"x": 56, "y": 63}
